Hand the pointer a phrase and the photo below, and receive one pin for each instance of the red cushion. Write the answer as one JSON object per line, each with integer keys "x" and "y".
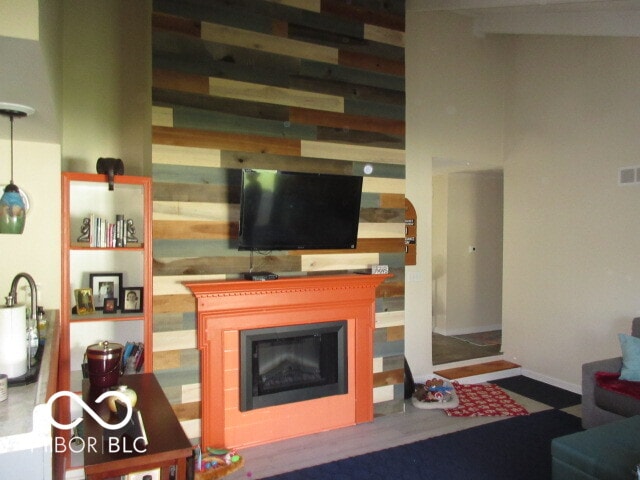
{"x": 611, "y": 381}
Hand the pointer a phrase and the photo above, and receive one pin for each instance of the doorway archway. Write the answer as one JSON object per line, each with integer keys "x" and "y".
{"x": 467, "y": 234}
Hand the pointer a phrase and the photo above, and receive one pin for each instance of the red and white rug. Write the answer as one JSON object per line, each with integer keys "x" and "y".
{"x": 484, "y": 400}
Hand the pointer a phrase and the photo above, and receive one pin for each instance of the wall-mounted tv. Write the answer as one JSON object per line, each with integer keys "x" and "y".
{"x": 293, "y": 211}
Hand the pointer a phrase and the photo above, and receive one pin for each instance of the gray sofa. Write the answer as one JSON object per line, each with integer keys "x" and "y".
{"x": 600, "y": 406}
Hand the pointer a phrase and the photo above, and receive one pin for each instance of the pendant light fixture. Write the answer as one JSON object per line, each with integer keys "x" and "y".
{"x": 13, "y": 203}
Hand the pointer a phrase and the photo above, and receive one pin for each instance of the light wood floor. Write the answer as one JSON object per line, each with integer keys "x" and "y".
{"x": 384, "y": 432}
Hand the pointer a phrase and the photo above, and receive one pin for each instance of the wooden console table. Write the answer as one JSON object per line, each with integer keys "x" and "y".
{"x": 168, "y": 446}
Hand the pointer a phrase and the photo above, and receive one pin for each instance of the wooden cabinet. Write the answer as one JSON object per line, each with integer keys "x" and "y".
{"x": 87, "y": 196}
{"x": 168, "y": 448}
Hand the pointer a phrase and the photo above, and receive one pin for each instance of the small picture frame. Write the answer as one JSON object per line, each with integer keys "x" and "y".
{"x": 131, "y": 299}
{"x": 105, "y": 285}
{"x": 84, "y": 301}
{"x": 110, "y": 305}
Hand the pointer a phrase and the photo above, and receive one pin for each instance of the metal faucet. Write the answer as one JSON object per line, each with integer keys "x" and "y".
{"x": 13, "y": 292}
{"x": 31, "y": 329}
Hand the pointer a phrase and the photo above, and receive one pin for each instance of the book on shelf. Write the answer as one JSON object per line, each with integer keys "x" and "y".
{"x": 105, "y": 234}
{"x": 132, "y": 357}
{"x": 121, "y": 233}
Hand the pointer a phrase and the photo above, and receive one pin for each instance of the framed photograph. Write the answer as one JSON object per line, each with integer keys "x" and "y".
{"x": 110, "y": 305}
{"x": 105, "y": 285}
{"x": 84, "y": 301}
{"x": 131, "y": 300}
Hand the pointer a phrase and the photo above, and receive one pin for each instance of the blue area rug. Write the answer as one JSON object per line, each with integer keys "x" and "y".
{"x": 517, "y": 448}
{"x": 539, "y": 391}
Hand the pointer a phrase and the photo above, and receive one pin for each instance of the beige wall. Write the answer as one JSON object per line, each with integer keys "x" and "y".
{"x": 455, "y": 111}
{"x": 19, "y": 19}
{"x": 36, "y": 161}
{"x": 37, "y": 250}
{"x": 572, "y": 234}
{"x": 561, "y": 114}
{"x": 106, "y": 112}
{"x": 458, "y": 80}
{"x": 107, "y": 84}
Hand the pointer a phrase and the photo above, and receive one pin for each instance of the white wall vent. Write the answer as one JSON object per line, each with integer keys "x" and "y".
{"x": 629, "y": 175}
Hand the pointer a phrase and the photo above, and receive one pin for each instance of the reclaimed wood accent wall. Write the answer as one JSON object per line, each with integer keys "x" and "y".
{"x": 302, "y": 85}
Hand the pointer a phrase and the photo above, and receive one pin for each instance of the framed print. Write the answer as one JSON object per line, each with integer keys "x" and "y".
{"x": 131, "y": 300}
{"x": 110, "y": 305}
{"x": 105, "y": 285}
{"x": 84, "y": 301}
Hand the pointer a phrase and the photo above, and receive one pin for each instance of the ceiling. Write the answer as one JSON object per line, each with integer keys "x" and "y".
{"x": 556, "y": 17}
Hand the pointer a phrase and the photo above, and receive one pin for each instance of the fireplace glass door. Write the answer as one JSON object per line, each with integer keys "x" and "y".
{"x": 293, "y": 363}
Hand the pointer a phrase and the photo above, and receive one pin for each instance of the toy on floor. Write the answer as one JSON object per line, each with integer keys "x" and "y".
{"x": 216, "y": 462}
{"x": 435, "y": 393}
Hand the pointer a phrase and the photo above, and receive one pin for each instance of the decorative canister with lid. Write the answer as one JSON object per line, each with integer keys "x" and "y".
{"x": 104, "y": 361}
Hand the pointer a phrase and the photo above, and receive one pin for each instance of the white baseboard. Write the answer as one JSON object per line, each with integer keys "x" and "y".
{"x": 572, "y": 387}
{"x": 485, "y": 377}
{"x": 488, "y": 377}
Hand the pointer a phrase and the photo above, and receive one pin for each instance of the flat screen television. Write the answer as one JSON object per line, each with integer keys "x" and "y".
{"x": 294, "y": 211}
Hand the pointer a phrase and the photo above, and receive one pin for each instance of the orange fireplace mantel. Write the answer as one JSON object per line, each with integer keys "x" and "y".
{"x": 225, "y": 308}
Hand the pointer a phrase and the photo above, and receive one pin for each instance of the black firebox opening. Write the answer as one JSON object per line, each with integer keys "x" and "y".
{"x": 292, "y": 363}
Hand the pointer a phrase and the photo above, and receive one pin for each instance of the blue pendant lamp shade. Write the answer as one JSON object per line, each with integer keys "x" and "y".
{"x": 13, "y": 208}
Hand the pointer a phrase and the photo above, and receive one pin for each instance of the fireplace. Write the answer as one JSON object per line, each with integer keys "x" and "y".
{"x": 292, "y": 364}
{"x": 227, "y": 311}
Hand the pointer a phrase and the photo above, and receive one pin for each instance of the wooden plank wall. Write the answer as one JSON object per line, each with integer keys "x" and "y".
{"x": 303, "y": 85}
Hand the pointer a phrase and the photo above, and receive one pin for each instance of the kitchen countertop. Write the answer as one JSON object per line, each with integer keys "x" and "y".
{"x": 24, "y": 416}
